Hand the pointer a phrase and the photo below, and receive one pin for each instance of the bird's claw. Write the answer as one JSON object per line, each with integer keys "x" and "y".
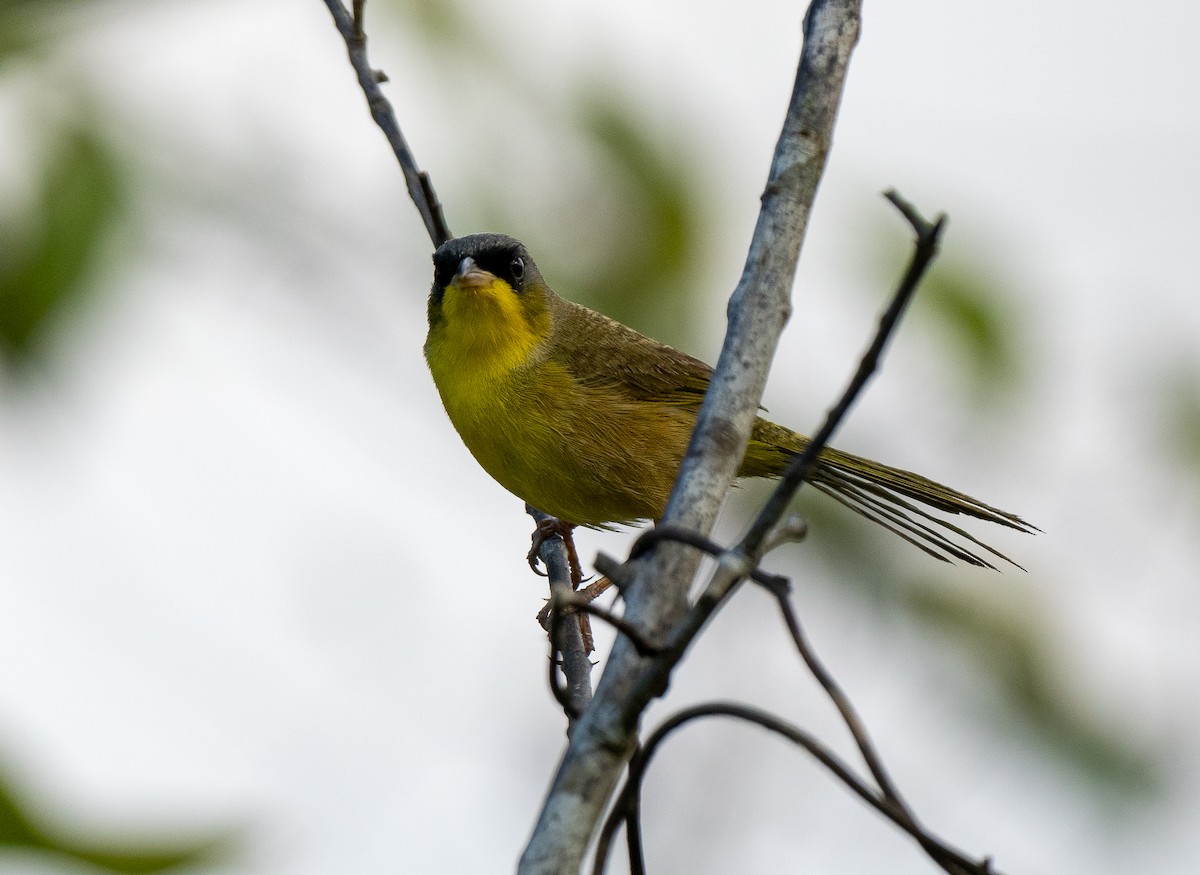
{"x": 549, "y": 528}
{"x": 534, "y": 560}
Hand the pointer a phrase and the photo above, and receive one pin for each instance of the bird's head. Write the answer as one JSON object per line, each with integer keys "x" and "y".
{"x": 489, "y": 298}
{"x": 486, "y": 278}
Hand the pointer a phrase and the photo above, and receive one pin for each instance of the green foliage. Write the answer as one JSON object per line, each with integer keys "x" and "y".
{"x": 969, "y": 301}
{"x": 1178, "y": 392}
{"x": 639, "y": 200}
{"x": 655, "y": 258}
{"x": 973, "y": 309}
{"x": 50, "y": 250}
{"x": 440, "y": 23}
{"x": 15, "y": 828}
{"x": 18, "y": 831}
{"x": 47, "y": 264}
{"x": 1010, "y": 641}
{"x": 28, "y": 27}
{"x": 20, "y": 26}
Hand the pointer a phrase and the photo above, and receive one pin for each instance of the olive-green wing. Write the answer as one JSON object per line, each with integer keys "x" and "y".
{"x": 602, "y": 353}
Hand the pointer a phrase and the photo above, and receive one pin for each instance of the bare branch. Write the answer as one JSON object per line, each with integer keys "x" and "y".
{"x": 655, "y": 581}
{"x": 735, "y": 564}
{"x": 605, "y": 736}
{"x": 576, "y": 602}
{"x": 420, "y": 188}
{"x": 651, "y": 537}
{"x": 801, "y": 466}
{"x": 565, "y": 633}
{"x": 627, "y": 808}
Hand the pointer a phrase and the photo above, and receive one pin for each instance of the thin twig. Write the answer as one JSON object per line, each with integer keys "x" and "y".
{"x": 924, "y": 250}
{"x": 777, "y": 584}
{"x": 631, "y": 792}
{"x": 902, "y": 813}
{"x": 420, "y": 189}
{"x": 842, "y": 702}
{"x": 946, "y": 856}
{"x": 566, "y": 636}
{"x": 553, "y": 662}
{"x": 644, "y": 646}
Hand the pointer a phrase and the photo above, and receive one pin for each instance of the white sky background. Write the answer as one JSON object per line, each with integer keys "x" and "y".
{"x": 239, "y": 586}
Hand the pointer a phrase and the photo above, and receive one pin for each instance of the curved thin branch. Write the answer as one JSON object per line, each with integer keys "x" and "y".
{"x": 638, "y": 765}
{"x": 842, "y": 702}
{"x": 626, "y": 809}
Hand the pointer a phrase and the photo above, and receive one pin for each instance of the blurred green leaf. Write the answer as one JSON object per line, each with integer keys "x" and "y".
{"x": 638, "y": 209}
{"x": 28, "y": 26}
{"x": 128, "y": 854}
{"x": 46, "y": 266}
{"x": 439, "y": 23}
{"x": 136, "y": 861}
{"x": 969, "y": 301}
{"x": 972, "y": 310}
{"x": 15, "y": 829}
{"x": 645, "y": 257}
{"x": 969, "y": 306}
{"x": 961, "y": 299}
{"x": 20, "y": 25}
{"x": 1177, "y": 391}
{"x": 1009, "y": 644}
{"x": 655, "y": 257}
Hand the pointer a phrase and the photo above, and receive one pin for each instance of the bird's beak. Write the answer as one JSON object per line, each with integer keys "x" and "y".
{"x": 471, "y": 275}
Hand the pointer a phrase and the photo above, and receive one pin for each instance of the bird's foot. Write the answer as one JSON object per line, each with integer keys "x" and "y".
{"x": 549, "y": 528}
{"x": 586, "y": 595}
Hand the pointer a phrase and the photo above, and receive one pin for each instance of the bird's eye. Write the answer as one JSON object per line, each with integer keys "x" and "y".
{"x": 517, "y": 268}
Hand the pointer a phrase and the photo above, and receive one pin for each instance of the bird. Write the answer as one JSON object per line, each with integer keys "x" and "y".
{"x": 588, "y": 420}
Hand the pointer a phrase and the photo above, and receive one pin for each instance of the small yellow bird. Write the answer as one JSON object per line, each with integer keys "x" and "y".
{"x": 588, "y": 420}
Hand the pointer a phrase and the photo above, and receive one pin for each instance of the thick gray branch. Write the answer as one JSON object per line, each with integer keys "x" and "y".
{"x": 604, "y": 737}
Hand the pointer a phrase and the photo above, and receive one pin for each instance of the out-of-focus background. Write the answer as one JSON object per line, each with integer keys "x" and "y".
{"x": 262, "y": 613}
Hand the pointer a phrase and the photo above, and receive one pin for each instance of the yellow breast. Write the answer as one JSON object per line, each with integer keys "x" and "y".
{"x": 583, "y": 454}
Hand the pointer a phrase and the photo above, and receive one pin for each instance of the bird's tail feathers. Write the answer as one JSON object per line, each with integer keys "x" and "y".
{"x": 900, "y": 501}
